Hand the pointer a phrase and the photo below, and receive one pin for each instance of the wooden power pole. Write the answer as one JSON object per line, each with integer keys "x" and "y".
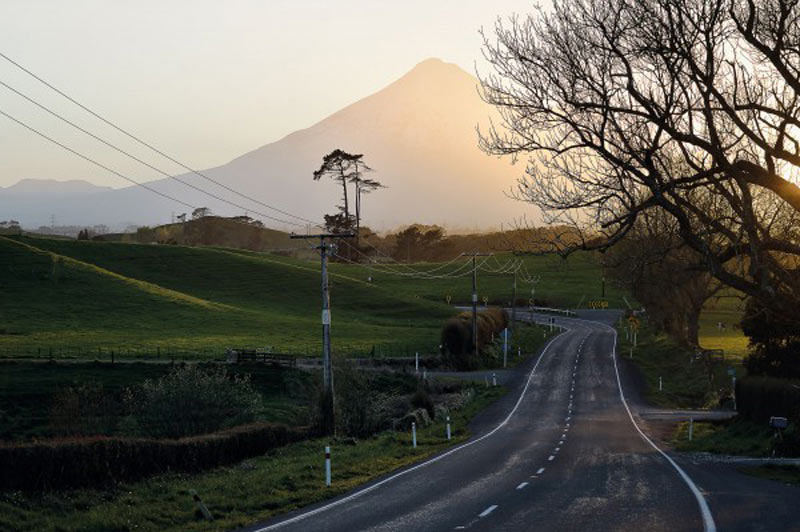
{"x": 475, "y": 300}
{"x": 328, "y": 422}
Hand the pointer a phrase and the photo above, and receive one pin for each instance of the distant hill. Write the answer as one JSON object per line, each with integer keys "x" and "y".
{"x": 210, "y": 231}
{"x": 418, "y": 133}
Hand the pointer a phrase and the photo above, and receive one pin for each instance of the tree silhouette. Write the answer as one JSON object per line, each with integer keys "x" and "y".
{"x": 687, "y": 107}
{"x": 346, "y": 168}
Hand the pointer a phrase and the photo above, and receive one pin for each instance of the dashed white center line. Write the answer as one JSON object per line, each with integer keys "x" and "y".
{"x": 541, "y": 470}
{"x": 561, "y": 442}
{"x": 522, "y": 485}
{"x": 551, "y": 458}
{"x": 558, "y": 449}
{"x": 487, "y": 511}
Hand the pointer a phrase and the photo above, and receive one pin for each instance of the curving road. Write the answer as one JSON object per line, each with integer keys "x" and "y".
{"x": 560, "y": 452}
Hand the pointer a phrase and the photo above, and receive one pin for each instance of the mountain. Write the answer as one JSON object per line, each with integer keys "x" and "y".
{"x": 418, "y": 134}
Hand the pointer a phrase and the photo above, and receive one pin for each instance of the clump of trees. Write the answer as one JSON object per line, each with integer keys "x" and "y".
{"x": 347, "y": 169}
{"x": 417, "y": 242}
{"x": 661, "y": 272}
{"x": 688, "y": 108}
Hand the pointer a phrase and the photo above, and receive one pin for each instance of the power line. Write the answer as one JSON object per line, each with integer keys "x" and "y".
{"x": 137, "y": 159}
{"x": 151, "y": 147}
{"x": 89, "y": 159}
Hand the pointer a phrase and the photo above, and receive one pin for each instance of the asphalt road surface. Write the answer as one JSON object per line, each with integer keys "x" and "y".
{"x": 560, "y": 452}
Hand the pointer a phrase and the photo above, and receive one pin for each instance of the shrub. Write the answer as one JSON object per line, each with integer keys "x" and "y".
{"x": 62, "y": 464}
{"x": 457, "y": 344}
{"x": 421, "y": 399}
{"x": 190, "y": 401}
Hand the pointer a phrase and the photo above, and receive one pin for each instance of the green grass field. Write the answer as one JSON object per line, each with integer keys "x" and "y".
{"x": 86, "y": 295}
{"x": 238, "y": 495}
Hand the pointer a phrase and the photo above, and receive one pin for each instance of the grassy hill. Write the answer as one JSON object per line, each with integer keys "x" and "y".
{"x": 87, "y": 294}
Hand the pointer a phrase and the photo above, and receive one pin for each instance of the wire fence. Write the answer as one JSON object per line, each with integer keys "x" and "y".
{"x": 169, "y": 353}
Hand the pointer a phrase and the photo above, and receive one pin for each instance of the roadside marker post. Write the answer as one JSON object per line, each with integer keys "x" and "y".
{"x": 660, "y": 385}
{"x": 448, "y": 428}
{"x": 414, "y": 434}
{"x": 691, "y": 428}
{"x": 327, "y": 466}
{"x": 416, "y": 362}
{"x": 201, "y": 506}
{"x": 494, "y": 379}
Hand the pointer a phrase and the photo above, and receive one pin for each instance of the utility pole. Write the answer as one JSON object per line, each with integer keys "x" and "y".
{"x": 475, "y": 300}
{"x": 328, "y": 424}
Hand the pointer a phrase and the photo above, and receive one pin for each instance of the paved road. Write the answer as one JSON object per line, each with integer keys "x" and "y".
{"x": 560, "y": 452}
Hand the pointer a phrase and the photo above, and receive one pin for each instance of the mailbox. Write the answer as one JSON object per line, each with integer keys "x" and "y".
{"x": 778, "y": 422}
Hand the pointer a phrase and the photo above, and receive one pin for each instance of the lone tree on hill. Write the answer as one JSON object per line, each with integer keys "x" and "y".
{"x": 347, "y": 168}
{"x": 687, "y": 107}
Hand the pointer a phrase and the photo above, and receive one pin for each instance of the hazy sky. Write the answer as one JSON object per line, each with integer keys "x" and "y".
{"x": 210, "y": 80}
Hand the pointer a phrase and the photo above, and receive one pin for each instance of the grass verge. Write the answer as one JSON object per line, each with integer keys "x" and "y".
{"x": 256, "y": 489}
{"x": 683, "y": 383}
{"x": 739, "y": 437}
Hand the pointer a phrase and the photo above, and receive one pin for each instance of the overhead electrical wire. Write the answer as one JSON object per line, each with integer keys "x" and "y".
{"x": 89, "y": 159}
{"x": 140, "y": 161}
{"x": 156, "y": 150}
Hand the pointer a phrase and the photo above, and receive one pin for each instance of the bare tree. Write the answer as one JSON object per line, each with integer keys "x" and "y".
{"x": 688, "y": 107}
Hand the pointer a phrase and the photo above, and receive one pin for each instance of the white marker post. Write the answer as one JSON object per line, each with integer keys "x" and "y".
{"x": 660, "y": 385}
{"x": 414, "y": 434}
{"x": 519, "y": 352}
{"x": 328, "y": 466}
{"x": 733, "y": 384}
{"x": 691, "y": 428}
{"x": 416, "y": 362}
{"x": 448, "y": 427}
{"x": 494, "y": 379}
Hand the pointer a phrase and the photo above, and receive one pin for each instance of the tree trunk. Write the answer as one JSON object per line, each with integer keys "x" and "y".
{"x": 693, "y": 325}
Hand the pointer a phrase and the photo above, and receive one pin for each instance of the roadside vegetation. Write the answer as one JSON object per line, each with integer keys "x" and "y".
{"x": 686, "y": 381}
{"x": 258, "y": 488}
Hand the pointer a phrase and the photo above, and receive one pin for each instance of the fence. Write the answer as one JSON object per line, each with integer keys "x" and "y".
{"x": 168, "y": 353}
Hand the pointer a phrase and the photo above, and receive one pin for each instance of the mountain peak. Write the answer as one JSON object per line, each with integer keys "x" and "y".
{"x": 435, "y": 67}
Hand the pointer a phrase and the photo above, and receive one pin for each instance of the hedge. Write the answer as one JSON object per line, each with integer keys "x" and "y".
{"x": 759, "y": 398}
{"x": 457, "y": 344}
{"x": 74, "y": 463}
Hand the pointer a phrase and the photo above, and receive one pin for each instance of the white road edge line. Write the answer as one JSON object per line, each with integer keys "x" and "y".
{"x": 487, "y": 511}
{"x": 705, "y": 512}
{"x": 363, "y": 491}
